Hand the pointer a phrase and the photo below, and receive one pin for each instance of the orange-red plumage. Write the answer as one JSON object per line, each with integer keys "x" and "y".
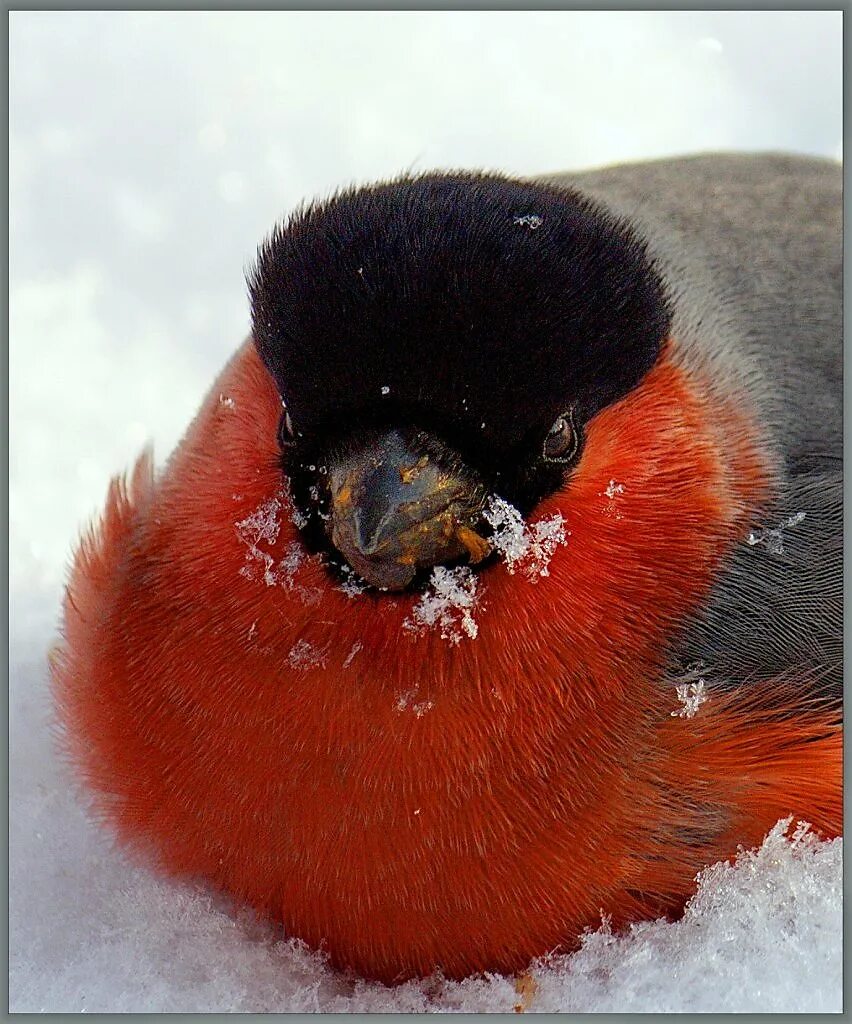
{"x": 407, "y": 802}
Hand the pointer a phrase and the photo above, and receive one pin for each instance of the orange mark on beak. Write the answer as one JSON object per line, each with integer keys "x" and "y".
{"x": 477, "y": 547}
{"x": 408, "y": 474}
{"x": 344, "y": 496}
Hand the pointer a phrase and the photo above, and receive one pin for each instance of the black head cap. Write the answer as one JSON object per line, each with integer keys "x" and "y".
{"x": 475, "y": 307}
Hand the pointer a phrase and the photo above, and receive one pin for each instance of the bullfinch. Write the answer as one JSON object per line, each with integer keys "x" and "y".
{"x": 496, "y": 584}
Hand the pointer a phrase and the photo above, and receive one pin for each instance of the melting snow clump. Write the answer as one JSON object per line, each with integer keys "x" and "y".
{"x": 408, "y": 702}
{"x": 305, "y": 655}
{"x": 229, "y": 403}
{"x": 614, "y": 489}
{"x": 525, "y": 547}
{"x": 352, "y": 584}
{"x": 448, "y": 604}
{"x": 773, "y": 538}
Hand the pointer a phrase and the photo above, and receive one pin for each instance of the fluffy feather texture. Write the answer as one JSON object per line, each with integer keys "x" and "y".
{"x": 465, "y": 836}
{"x": 411, "y": 803}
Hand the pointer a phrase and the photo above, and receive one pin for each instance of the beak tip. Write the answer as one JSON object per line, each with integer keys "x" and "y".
{"x": 395, "y": 511}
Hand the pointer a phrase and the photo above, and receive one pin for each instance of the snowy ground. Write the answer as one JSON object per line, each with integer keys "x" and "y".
{"x": 149, "y": 155}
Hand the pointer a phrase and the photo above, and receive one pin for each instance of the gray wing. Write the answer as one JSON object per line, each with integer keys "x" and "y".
{"x": 752, "y": 247}
{"x": 759, "y": 239}
{"x": 777, "y": 608}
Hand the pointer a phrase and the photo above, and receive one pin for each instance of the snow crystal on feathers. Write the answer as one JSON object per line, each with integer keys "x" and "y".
{"x": 525, "y": 547}
{"x": 448, "y": 603}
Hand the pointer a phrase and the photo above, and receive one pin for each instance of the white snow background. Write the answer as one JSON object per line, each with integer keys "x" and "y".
{"x": 149, "y": 155}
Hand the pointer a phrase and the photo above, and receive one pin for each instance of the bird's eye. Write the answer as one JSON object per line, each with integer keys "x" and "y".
{"x": 286, "y": 434}
{"x": 562, "y": 440}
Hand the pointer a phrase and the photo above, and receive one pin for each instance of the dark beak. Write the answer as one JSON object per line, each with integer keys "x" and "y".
{"x": 394, "y": 509}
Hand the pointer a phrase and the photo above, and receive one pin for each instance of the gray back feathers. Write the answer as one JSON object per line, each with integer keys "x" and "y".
{"x": 752, "y": 249}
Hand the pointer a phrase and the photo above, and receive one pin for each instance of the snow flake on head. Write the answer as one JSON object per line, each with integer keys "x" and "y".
{"x": 525, "y": 547}
{"x": 447, "y": 605}
{"x": 528, "y": 220}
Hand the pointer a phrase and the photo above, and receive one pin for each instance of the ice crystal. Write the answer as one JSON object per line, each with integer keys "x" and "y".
{"x": 356, "y": 647}
{"x": 263, "y": 527}
{"x": 772, "y": 537}
{"x": 352, "y": 584}
{"x": 263, "y": 524}
{"x": 524, "y": 547}
{"x": 297, "y": 519}
{"x": 448, "y": 603}
{"x": 691, "y": 696}
{"x": 528, "y": 220}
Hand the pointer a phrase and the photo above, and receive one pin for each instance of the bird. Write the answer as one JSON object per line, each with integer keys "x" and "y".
{"x": 495, "y": 588}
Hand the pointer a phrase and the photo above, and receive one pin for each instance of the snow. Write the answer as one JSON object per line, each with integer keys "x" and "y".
{"x": 353, "y": 652}
{"x": 691, "y": 690}
{"x": 262, "y": 527}
{"x": 408, "y": 702}
{"x": 304, "y": 655}
{"x": 353, "y": 585}
{"x": 264, "y": 524}
{"x": 529, "y": 220}
{"x": 691, "y": 696}
{"x": 91, "y": 931}
{"x": 126, "y": 298}
{"x": 773, "y": 537}
{"x": 525, "y": 547}
{"x": 448, "y": 603}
